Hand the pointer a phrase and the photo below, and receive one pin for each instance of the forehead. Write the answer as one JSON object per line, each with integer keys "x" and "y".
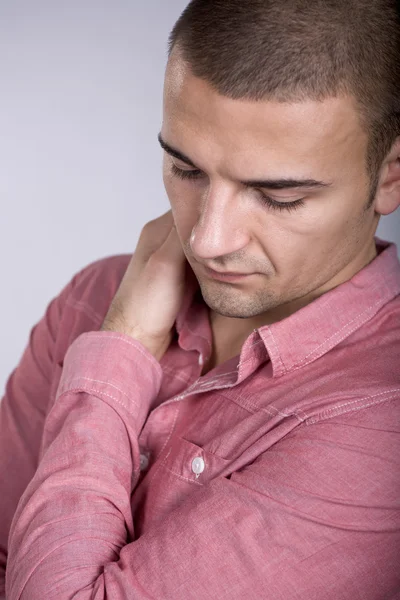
{"x": 197, "y": 119}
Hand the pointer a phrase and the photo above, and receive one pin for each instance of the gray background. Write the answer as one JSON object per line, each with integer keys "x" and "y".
{"x": 80, "y": 166}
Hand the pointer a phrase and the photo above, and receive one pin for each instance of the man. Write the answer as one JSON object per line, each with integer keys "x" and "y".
{"x": 218, "y": 415}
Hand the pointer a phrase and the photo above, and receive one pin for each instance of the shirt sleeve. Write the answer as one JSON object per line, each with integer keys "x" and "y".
{"x": 22, "y": 415}
{"x": 296, "y": 524}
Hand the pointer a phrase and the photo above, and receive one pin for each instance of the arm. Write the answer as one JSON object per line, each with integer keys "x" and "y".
{"x": 30, "y": 389}
{"x": 314, "y": 518}
{"x": 22, "y": 415}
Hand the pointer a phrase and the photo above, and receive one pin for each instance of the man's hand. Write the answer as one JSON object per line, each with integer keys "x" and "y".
{"x": 151, "y": 292}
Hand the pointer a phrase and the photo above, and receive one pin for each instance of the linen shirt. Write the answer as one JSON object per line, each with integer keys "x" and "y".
{"x": 274, "y": 476}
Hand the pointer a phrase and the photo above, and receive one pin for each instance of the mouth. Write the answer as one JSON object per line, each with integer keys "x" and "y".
{"x": 225, "y": 276}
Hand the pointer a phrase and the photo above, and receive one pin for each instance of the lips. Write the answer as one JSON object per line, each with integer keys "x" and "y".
{"x": 225, "y": 276}
{"x": 227, "y": 273}
{"x": 230, "y": 274}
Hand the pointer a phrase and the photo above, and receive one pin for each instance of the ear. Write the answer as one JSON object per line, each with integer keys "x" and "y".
{"x": 387, "y": 198}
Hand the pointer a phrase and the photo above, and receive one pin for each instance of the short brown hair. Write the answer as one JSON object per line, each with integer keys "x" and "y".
{"x": 289, "y": 50}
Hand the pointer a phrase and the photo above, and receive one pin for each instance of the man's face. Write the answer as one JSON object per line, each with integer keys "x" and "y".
{"x": 294, "y": 243}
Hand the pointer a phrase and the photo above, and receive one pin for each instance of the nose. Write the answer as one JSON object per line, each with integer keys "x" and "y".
{"x": 221, "y": 227}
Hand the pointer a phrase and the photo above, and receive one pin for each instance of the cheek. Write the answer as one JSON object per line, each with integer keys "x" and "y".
{"x": 320, "y": 246}
{"x": 172, "y": 190}
{"x": 321, "y": 220}
{"x": 304, "y": 240}
{"x": 177, "y": 190}
{"x": 167, "y": 179}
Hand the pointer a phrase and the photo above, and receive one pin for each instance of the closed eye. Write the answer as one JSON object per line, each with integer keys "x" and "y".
{"x": 281, "y": 206}
{"x": 187, "y": 174}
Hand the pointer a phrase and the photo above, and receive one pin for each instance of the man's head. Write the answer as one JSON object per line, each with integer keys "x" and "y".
{"x": 300, "y": 90}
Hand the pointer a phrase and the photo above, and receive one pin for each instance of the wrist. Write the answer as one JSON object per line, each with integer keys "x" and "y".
{"x": 156, "y": 346}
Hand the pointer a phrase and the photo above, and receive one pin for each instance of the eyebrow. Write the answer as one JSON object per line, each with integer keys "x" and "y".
{"x": 270, "y": 184}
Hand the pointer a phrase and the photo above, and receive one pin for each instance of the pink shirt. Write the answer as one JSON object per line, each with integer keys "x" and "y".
{"x": 275, "y": 476}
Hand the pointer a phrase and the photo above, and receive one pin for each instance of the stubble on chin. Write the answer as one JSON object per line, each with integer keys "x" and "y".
{"x": 235, "y": 303}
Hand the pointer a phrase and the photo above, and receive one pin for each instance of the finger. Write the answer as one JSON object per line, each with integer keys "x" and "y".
{"x": 153, "y": 235}
{"x": 171, "y": 249}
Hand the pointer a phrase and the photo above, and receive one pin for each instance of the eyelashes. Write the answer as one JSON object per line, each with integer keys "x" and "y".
{"x": 182, "y": 174}
{"x": 266, "y": 200}
{"x": 281, "y": 206}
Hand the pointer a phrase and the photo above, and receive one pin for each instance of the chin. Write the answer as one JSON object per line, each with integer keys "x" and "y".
{"x": 237, "y": 304}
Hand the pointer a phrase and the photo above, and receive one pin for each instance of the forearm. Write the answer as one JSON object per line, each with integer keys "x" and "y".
{"x": 89, "y": 468}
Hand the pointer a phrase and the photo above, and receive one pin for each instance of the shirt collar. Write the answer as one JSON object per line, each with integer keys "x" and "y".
{"x": 192, "y": 323}
{"x": 315, "y": 329}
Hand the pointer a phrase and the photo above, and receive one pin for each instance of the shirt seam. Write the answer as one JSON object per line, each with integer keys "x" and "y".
{"x": 279, "y": 356}
{"x": 183, "y": 477}
{"x": 303, "y": 417}
{"x": 97, "y": 394}
{"x": 336, "y": 410}
{"x": 82, "y": 306}
{"x": 337, "y": 333}
{"x": 74, "y": 383}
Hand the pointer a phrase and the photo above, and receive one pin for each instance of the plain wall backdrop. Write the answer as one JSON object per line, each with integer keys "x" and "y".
{"x": 80, "y": 166}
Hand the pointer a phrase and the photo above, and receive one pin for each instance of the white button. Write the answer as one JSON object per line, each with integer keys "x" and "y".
{"x": 201, "y": 360}
{"x": 144, "y": 462}
{"x": 198, "y": 466}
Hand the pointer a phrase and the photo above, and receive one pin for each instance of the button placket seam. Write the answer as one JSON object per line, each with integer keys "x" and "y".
{"x": 171, "y": 430}
{"x": 157, "y": 467}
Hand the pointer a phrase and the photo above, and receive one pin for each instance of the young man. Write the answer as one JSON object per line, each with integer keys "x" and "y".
{"x": 218, "y": 415}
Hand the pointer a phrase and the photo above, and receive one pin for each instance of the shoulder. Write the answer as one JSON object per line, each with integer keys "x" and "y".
{"x": 84, "y": 302}
{"x": 96, "y": 284}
